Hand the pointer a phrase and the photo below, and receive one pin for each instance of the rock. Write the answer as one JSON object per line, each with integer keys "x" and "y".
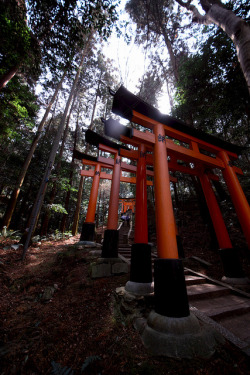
{"x": 48, "y": 293}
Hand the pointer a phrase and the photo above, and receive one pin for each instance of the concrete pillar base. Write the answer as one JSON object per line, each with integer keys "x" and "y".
{"x": 177, "y": 337}
{"x": 170, "y": 288}
{"x": 236, "y": 280}
{"x": 105, "y": 267}
{"x": 88, "y": 232}
{"x": 231, "y": 263}
{"x": 139, "y": 289}
{"x": 110, "y": 243}
{"x": 141, "y": 264}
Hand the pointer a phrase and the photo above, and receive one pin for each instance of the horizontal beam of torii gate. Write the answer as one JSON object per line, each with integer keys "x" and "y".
{"x": 178, "y": 154}
{"x": 108, "y": 163}
{"x": 109, "y": 125}
{"x": 174, "y": 164}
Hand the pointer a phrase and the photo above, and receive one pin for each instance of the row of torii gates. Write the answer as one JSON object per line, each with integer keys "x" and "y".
{"x": 167, "y": 145}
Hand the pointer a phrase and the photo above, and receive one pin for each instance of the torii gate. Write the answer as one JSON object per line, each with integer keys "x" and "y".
{"x": 204, "y": 152}
{"x": 88, "y": 227}
{"x": 127, "y": 204}
{"x": 110, "y": 244}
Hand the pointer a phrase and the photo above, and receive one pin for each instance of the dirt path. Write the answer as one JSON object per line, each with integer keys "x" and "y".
{"x": 53, "y": 315}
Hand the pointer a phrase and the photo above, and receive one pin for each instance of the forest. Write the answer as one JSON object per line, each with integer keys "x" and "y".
{"x": 58, "y": 65}
{"x": 55, "y": 82}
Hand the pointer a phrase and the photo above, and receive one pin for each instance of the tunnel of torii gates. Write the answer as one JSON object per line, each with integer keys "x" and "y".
{"x": 127, "y": 204}
{"x": 167, "y": 145}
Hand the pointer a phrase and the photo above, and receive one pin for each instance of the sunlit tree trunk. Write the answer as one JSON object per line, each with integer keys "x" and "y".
{"x": 8, "y": 75}
{"x": 235, "y": 27}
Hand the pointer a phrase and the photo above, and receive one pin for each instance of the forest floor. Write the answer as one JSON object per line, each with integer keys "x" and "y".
{"x": 55, "y": 318}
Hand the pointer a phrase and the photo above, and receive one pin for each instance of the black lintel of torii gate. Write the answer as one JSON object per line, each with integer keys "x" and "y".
{"x": 124, "y": 103}
{"x": 96, "y": 139}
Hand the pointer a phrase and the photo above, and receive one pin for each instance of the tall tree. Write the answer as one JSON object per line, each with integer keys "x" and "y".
{"x": 236, "y": 28}
{"x": 213, "y": 89}
{"x": 19, "y": 47}
{"x": 14, "y": 196}
{"x": 55, "y": 28}
{"x": 46, "y": 176}
{"x": 157, "y": 21}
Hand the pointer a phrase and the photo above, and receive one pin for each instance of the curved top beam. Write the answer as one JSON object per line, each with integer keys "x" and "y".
{"x": 125, "y": 103}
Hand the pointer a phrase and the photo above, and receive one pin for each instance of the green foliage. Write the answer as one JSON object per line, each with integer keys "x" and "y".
{"x": 63, "y": 27}
{"x": 212, "y": 91}
{"x": 150, "y": 86}
{"x": 18, "y": 45}
{"x": 57, "y": 208}
{"x": 9, "y": 234}
{"x": 18, "y": 109}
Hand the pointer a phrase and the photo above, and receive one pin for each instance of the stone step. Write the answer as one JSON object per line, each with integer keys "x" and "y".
{"x": 194, "y": 280}
{"x": 202, "y": 291}
{"x": 224, "y": 306}
{"x": 239, "y": 325}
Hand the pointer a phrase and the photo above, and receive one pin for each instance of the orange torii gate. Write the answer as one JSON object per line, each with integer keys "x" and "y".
{"x": 110, "y": 243}
{"x": 171, "y": 141}
{"x": 128, "y": 204}
{"x": 88, "y": 229}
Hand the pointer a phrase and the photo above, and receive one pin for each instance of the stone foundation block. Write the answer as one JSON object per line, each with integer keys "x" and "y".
{"x": 100, "y": 270}
{"x": 119, "y": 268}
{"x": 105, "y": 267}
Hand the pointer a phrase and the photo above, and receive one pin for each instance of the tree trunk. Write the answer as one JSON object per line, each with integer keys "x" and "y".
{"x": 78, "y": 207}
{"x": 238, "y": 31}
{"x": 46, "y": 176}
{"x": 80, "y": 190}
{"x": 45, "y": 223}
{"x": 12, "y": 203}
{"x": 8, "y": 75}
{"x": 172, "y": 56}
{"x": 235, "y": 27}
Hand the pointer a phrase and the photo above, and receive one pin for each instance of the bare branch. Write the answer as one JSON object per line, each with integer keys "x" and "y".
{"x": 197, "y": 17}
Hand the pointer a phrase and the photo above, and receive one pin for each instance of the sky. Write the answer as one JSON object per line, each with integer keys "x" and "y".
{"x": 131, "y": 62}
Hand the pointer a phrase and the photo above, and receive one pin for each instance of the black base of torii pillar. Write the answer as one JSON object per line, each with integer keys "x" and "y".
{"x": 110, "y": 244}
{"x": 88, "y": 232}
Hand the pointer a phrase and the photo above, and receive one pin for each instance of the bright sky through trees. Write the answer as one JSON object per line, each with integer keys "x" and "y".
{"x": 131, "y": 61}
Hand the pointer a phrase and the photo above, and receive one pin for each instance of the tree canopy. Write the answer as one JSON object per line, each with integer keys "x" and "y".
{"x": 42, "y": 45}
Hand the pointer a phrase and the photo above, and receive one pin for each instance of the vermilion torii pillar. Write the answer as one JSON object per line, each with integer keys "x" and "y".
{"x": 238, "y": 197}
{"x": 111, "y": 234}
{"x": 168, "y": 267}
{"x": 230, "y": 259}
{"x": 88, "y": 228}
{"x": 141, "y": 265}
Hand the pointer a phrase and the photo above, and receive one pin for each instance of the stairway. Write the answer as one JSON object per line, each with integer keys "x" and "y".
{"x": 226, "y": 308}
